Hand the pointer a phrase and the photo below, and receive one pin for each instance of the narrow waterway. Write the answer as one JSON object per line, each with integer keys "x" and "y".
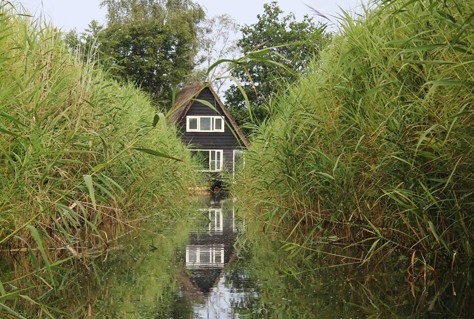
{"x": 221, "y": 289}
{"x": 209, "y": 267}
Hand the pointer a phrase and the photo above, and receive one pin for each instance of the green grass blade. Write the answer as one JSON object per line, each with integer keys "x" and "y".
{"x": 156, "y": 153}
{"x": 11, "y": 311}
{"x": 39, "y": 241}
{"x": 90, "y": 188}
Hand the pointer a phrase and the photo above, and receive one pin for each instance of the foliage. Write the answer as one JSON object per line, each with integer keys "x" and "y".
{"x": 151, "y": 44}
{"x": 84, "y": 44}
{"x": 291, "y": 43}
{"x": 278, "y": 285}
{"x": 77, "y": 170}
{"x": 216, "y": 42}
{"x": 372, "y": 149}
{"x": 153, "y": 57}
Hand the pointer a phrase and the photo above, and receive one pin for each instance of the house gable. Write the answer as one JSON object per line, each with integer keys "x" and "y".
{"x": 200, "y": 100}
{"x": 220, "y": 140}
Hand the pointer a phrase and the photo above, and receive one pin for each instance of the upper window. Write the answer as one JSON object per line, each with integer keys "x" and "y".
{"x": 204, "y": 124}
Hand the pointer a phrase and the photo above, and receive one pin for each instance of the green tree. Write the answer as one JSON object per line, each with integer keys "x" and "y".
{"x": 217, "y": 41}
{"x": 84, "y": 44}
{"x": 152, "y": 43}
{"x": 282, "y": 41}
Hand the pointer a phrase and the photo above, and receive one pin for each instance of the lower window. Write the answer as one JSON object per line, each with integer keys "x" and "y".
{"x": 211, "y": 160}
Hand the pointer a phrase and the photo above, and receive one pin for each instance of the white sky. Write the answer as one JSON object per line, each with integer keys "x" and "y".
{"x": 70, "y": 14}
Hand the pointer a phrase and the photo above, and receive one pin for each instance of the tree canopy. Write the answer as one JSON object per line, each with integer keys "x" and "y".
{"x": 151, "y": 43}
{"x": 217, "y": 41}
{"x": 289, "y": 43}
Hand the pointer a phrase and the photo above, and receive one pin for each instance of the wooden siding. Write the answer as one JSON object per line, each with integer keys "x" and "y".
{"x": 227, "y": 141}
{"x": 208, "y": 140}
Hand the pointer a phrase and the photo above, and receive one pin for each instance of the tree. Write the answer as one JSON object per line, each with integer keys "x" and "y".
{"x": 152, "y": 43}
{"x": 84, "y": 44}
{"x": 281, "y": 40}
{"x": 216, "y": 42}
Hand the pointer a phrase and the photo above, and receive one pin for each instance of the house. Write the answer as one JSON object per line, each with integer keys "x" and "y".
{"x": 208, "y": 128}
{"x": 211, "y": 246}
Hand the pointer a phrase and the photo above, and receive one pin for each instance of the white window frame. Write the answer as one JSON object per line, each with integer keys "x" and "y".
{"x": 213, "y": 120}
{"x": 205, "y": 256}
{"x": 216, "y": 220}
{"x": 212, "y": 167}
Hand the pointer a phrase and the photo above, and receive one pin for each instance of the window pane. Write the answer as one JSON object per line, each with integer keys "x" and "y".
{"x": 193, "y": 124}
{"x": 218, "y": 220}
{"x": 205, "y": 123}
{"x": 218, "y": 161}
{"x": 219, "y": 257}
{"x": 218, "y": 124}
{"x": 192, "y": 256}
{"x": 215, "y": 161}
{"x": 205, "y": 257}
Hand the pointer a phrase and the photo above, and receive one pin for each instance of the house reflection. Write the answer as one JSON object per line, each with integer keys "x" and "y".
{"x": 211, "y": 245}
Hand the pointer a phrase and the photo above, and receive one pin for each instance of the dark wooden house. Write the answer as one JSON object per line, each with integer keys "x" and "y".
{"x": 211, "y": 246}
{"x": 208, "y": 128}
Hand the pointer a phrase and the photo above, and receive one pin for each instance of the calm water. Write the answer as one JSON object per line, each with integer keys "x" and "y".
{"x": 208, "y": 267}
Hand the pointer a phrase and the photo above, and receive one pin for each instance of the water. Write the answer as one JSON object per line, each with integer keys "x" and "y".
{"x": 210, "y": 268}
{"x": 209, "y": 251}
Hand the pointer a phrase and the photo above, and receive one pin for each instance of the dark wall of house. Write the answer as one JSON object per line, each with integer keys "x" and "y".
{"x": 226, "y": 140}
{"x": 212, "y": 140}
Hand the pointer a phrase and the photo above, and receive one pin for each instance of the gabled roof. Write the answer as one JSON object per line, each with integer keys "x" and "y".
{"x": 185, "y": 99}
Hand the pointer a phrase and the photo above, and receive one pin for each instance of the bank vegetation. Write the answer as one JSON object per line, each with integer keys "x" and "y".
{"x": 368, "y": 158}
{"x": 84, "y": 161}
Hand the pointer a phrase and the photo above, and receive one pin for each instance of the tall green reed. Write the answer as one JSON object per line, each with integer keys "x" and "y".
{"x": 372, "y": 149}
{"x": 83, "y": 162}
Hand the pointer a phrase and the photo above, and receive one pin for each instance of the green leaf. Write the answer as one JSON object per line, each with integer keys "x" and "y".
{"x": 90, "y": 188}
{"x": 2, "y": 130}
{"x": 438, "y": 238}
{"x": 11, "y": 311}
{"x": 450, "y": 83}
{"x": 39, "y": 241}
{"x": 158, "y": 116}
{"x": 156, "y": 153}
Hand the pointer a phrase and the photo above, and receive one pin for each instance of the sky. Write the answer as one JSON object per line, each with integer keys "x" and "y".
{"x": 77, "y": 14}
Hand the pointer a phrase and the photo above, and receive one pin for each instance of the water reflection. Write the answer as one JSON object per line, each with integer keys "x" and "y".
{"x": 210, "y": 248}
{"x": 264, "y": 283}
{"x": 258, "y": 279}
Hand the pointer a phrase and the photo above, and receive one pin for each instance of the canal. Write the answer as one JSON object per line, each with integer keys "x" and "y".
{"x": 209, "y": 266}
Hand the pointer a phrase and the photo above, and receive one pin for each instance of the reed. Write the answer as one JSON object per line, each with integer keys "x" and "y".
{"x": 84, "y": 160}
{"x": 282, "y": 286}
{"x": 372, "y": 150}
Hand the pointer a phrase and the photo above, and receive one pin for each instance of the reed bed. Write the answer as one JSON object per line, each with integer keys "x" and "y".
{"x": 372, "y": 151}
{"x": 84, "y": 160}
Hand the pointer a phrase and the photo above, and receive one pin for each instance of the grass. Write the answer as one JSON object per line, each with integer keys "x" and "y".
{"x": 84, "y": 160}
{"x": 373, "y": 148}
{"x": 287, "y": 287}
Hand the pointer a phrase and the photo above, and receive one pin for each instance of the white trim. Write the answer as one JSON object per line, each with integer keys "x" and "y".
{"x": 216, "y": 162}
{"x": 205, "y": 256}
{"x": 198, "y": 125}
{"x": 216, "y": 220}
